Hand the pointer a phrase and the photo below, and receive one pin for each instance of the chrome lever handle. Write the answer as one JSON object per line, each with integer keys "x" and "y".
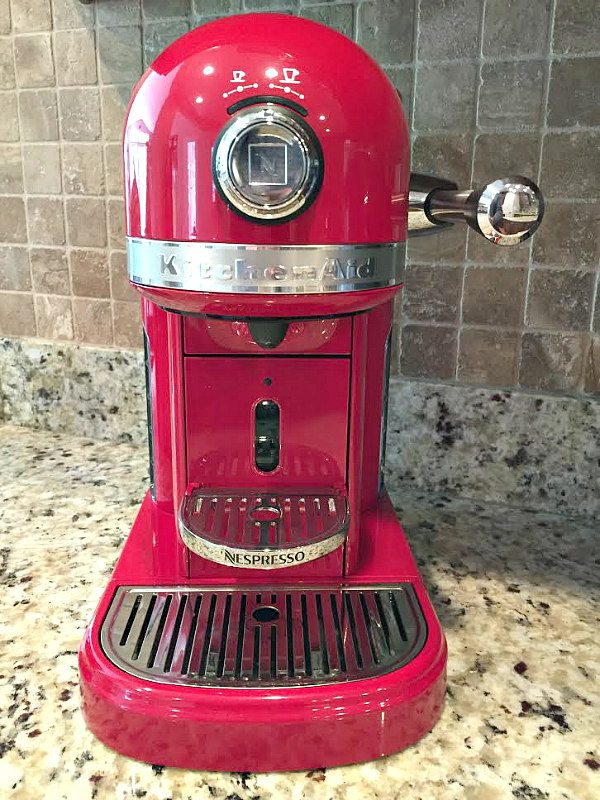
{"x": 506, "y": 211}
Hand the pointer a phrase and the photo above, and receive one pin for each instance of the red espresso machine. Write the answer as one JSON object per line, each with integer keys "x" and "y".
{"x": 266, "y": 612}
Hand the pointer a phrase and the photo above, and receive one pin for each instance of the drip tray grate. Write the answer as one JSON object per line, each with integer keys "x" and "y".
{"x": 263, "y": 531}
{"x": 257, "y": 638}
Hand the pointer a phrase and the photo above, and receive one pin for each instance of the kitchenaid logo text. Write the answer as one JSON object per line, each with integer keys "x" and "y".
{"x": 263, "y": 559}
{"x": 332, "y": 269}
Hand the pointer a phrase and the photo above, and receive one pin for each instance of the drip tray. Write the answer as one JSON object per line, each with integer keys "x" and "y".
{"x": 250, "y": 637}
{"x": 263, "y": 531}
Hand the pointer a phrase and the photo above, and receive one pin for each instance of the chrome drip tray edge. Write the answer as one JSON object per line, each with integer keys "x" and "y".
{"x": 257, "y": 637}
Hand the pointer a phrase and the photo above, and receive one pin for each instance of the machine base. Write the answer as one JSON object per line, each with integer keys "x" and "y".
{"x": 219, "y": 720}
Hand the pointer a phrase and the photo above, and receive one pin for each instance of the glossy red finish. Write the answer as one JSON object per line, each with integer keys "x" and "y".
{"x": 220, "y": 434}
{"x": 207, "y": 375}
{"x": 268, "y": 305}
{"x": 178, "y": 110}
{"x": 265, "y": 730}
{"x": 204, "y": 336}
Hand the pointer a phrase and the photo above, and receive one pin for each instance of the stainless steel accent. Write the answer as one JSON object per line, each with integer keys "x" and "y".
{"x": 263, "y": 531}
{"x": 506, "y": 211}
{"x": 421, "y": 186}
{"x": 264, "y": 269}
{"x": 294, "y": 163}
{"x": 258, "y": 637}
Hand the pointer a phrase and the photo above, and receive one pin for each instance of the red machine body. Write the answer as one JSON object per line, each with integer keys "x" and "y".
{"x": 266, "y": 612}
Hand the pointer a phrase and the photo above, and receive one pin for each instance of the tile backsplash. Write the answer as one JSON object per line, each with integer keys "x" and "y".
{"x": 490, "y": 87}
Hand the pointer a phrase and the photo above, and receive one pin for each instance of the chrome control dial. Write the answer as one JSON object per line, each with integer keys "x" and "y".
{"x": 267, "y": 163}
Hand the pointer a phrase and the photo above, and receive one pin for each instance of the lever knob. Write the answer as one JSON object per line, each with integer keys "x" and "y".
{"x": 506, "y": 211}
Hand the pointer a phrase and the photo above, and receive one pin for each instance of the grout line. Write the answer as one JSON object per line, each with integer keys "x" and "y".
{"x": 473, "y": 151}
{"x": 530, "y": 262}
{"x": 23, "y": 195}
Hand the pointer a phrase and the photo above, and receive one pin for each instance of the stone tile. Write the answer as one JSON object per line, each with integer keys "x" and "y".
{"x": 592, "y": 367}
{"x": 4, "y": 16}
{"x": 432, "y": 294}
{"x": 13, "y": 228}
{"x": 159, "y": 9}
{"x": 54, "y": 317}
{"x": 385, "y": 30}
{"x": 127, "y": 324}
{"x": 216, "y": 7}
{"x": 16, "y": 314}
{"x": 80, "y": 114}
{"x": 428, "y": 352}
{"x": 511, "y": 95}
{"x": 574, "y": 95}
{"x": 33, "y": 60}
{"x": 569, "y": 168}
{"x": 14, "y": 269}
{"x": 120, "y": 288}
{"x": 449, "y": 29}
{"x": 576, "y": 26}
{"x": 120, "y": 53}
{"x": 7, "y": 66}
{"x": 113, "y": 159}
{"x": 75, "y": 56}
{"x": 67, "y": 14}
{"x": 11, "y": 176}
{"x": 402, "y": 78}
{"x": 494, "y": 296}
{"x": 83, "y": 168}
{"x": 159, "y": 35}
{"x": 89, "y": 273}
{"x": 116, "y": 223}
{"x": 560, "y": 300}
{"x": 41, "y": 168}
{"x": 568, "y": 235}
{"x": 506, "y": 153}
{"x": 45, "y": 220}
{"x": 444, "y": 247}
{"x": 118, "y": 12}
{"x": 338, "y": 17}
{"x": 86, "y": 221}
{"x": 551, "y": 361}
{"x": 114, "y": 104}
{"x": 482, "y": 251}
{"x": 267, "y": 5}
{"x": 9, "y": 119}
{"x": 92, "y": 321}
{"x": 446, "y": 155}
{"x": 488, "y": 357}
{"x": 30, "y": 15}
{"x": 39, "y": 115}
{"x": 516, "y": 27}
{"x": 445, "y": 98}
{"x": 49, "y": 270}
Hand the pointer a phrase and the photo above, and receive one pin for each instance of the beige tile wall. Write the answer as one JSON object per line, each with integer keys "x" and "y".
{"x": 490, "y": 86}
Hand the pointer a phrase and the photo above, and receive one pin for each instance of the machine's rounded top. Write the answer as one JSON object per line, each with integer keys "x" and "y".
{"x": 330, "y": 166}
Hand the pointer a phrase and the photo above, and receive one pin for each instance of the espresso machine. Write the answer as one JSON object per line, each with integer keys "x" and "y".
{"x": 266, "y": 612}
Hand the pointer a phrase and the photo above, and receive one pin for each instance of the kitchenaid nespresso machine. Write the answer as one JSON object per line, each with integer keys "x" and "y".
{"x": 266, "y": 612}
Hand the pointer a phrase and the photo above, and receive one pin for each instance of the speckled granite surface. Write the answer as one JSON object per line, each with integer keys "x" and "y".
{"x": 534, "y": 451}
{"x": 517, "y": 594}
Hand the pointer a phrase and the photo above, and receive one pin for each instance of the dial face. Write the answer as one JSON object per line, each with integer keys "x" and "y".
{"x": 268, "y": 163}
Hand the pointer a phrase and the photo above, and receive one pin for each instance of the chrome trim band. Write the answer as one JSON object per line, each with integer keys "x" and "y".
{"x": 221, "y": 527}
{"x": 264, "y": 269}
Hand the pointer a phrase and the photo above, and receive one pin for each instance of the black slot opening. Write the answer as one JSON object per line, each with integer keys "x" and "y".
{"x": 266, "y": 435}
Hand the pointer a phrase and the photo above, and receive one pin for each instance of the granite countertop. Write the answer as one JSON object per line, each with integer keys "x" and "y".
{"x": 516, "y": 592}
